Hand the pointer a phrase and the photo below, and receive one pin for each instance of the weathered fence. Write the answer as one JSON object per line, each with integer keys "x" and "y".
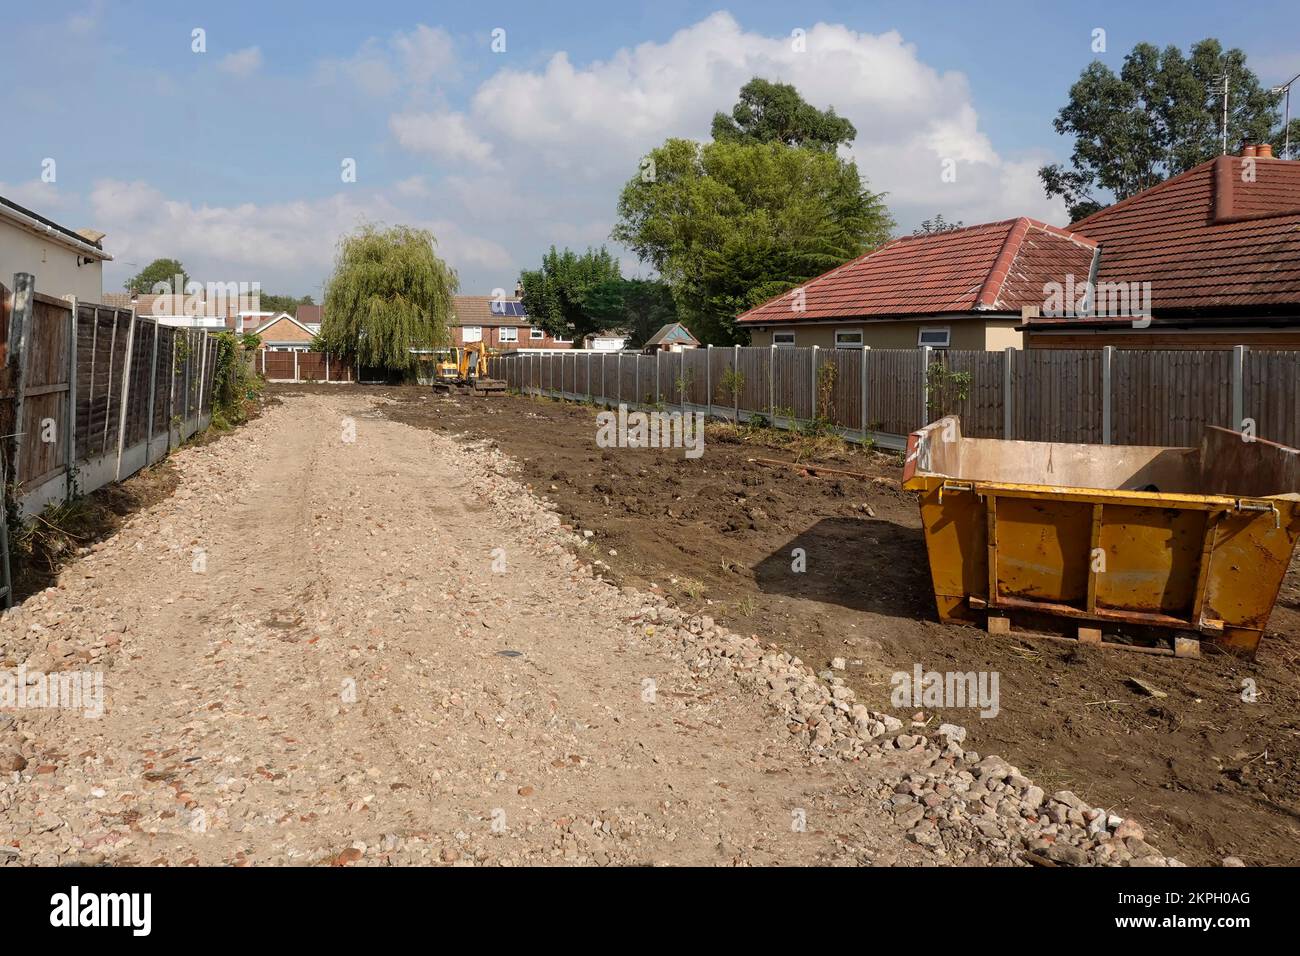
{"x": 297, "y": 366}
{"x": 1107, "y": 396}
{"x": 92, "y": 393}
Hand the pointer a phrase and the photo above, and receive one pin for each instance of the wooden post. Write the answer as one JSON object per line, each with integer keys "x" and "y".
{"x": 20, "y": 323}
{"x": 126, "y": 394}
{"x": 70, "y": 419}
{"x": 1107, "y": 421}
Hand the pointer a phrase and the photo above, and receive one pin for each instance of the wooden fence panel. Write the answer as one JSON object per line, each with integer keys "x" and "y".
{"x": 45, "y": 392}
{"x": 840, "y": 386}
{"x": 137, "y": 400}
{"x": 1271, "y": 395}
{"x": 755, "y": 369}
{"x": 697, "y": 376}
{"x": 1168, "y": 397}
{"x": 982, "y": 410}
{"x": 894, "y": 390}
{"x": 1056, "y": 395}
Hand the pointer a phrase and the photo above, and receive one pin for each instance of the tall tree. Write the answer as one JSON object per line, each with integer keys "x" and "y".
{"x": 732, "y": 224}
{"x": 936, "y": 225}
{"x": 1160, "y": 116}
{"x": 283, "y": 303}
{"x": 775, "y": 113}
{"x": 639, "y": 307}
{"x": 158, "y": 272}
{"x": 389, "y": 293}
{"x": 555, "y": 296}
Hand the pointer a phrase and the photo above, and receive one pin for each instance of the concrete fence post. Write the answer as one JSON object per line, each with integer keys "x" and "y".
{"x": 295, "y": 365}
{"x": 20, "y": 327}
{"x": 866, "y": 352}
{"x": 771, "y": 383}
{"x": 153, "y": 387}
{"x": 735, "y": 372}
{"x": 70, "y": 420}
{"x": 681, "y": 381}
{"x": 814, "y": 383}
{"x": 126, "y": 394}
{"x": 1008, "y": 361}
{"x": 1107, "y": 412}
{"x": 658, "y": 355}
{"x": 708, "y": 377}
{"x": 925, "y": 385}
{"x": 1238, "y": 387}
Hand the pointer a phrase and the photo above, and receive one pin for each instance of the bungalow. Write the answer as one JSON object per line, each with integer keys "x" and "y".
{"x": 962, "y": 289}
{"x": 65, "y": 262}
{"x": 673, "y": 337}
{"x": 1208, "y": 259}
{"x": 499, "y": 323}
{"x": 607, "y": 340}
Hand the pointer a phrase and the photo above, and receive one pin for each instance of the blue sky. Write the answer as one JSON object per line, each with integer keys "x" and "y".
{"x": 231, "y": 159}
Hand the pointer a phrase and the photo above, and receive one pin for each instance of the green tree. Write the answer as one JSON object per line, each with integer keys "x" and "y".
{"x": 730, "y": 224}
{"x": 555, "y": 296}
{"x": 389, "y": 293}
{"x": 775, "y": 113}
{"x": 1160, "y": 116}
{"x": 159, "y": 271}
{"x": 936, "y": 225}
{"x": 638, "y": 307}
{"x": 283, "y": 303}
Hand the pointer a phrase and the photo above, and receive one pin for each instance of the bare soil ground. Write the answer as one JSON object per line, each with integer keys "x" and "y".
{"x": 1209, "y": 774}
{"x": 309, "y": 657}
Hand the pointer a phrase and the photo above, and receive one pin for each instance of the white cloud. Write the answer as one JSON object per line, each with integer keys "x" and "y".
{"x": 588, "y": 125}
{"x": 411, "y": 59}
{"x": 285, "y": 246}
{"x": 443, "y": 135}
{"x": 244, "y": 62}
{"x": 38, "y": 196}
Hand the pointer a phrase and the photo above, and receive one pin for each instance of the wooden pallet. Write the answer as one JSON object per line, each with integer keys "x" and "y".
{"x": 1184, "y": 644}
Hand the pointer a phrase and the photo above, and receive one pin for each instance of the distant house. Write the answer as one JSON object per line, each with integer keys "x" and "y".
{"x": 310, "y": 317}
{"x": 673, "y": 337}
{"x": 65, "y": 262}
{"x": 283, "y": 332}
{"x": 610, "y": 340}
{"x": 500, "y": 323}
{"x": 962, "y": 289}
{"x": 1211, "y": 257}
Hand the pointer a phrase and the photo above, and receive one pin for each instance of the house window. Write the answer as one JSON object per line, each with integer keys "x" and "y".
{"x": 783, "y": 338}
{"x": 471, "y": 333}
{"x": 848, "y": 340}
{"x": 561, "y": 338}
{"x": 536, "y": 334}
{"x": 935, "y": 338}
{"x": 507, "y": 334}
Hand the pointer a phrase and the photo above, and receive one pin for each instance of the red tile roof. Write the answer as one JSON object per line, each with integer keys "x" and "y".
{"x": 1212, "y": 238}
{"x": 996, "y": 267}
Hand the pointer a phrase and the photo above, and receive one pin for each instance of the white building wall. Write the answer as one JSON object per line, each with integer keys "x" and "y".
{"x": 53, "y": 264}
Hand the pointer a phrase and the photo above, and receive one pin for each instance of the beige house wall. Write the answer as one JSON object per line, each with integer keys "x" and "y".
{"x": 964, "y": 333}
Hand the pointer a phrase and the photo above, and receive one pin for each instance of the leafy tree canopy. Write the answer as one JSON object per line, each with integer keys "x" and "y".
{"x": 1160, "y": 116}
{"x": 158, "y": 271}
{"x": 731, "y": 224}
{"x": 775, "y": 113}
{"x": 284, "y": 303}
{"x": 389, "y": 293}
{"x": 639, "y": 307}
{"x": 555, "y": 296}
{"x": 936, "y": 225}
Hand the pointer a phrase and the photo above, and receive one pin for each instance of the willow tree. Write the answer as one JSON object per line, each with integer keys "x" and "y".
{"x": 390, "y": 293}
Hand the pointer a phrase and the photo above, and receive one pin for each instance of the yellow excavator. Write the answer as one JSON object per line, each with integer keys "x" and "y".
{"x": 463, "y": 370}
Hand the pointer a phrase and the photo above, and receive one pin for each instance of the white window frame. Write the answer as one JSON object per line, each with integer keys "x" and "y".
{"x": 507, "y": 333}
{"x": 471, "y": 333}
{"x": 947, "y": 336}
{"x": 784, "y": 345}
{"x": 849, "y": 345}
{"x": 561, "y": 340}
{"x": 535, "y": 333}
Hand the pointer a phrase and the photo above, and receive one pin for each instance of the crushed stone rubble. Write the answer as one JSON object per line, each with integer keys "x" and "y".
{"x": 71, "y": 794}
